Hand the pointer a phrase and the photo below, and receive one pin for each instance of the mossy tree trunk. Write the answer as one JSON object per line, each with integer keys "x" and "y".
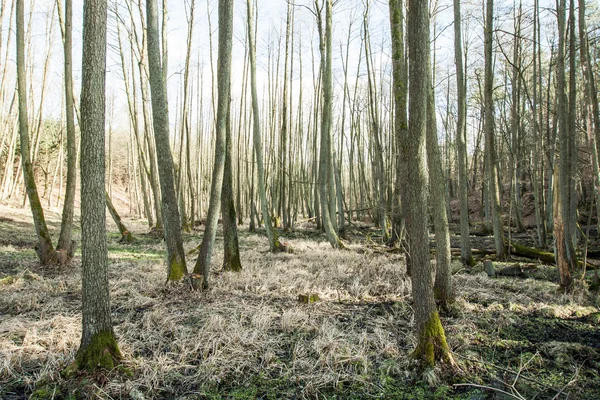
{"x": 176, "y": 267}
{"x": 231, "y": 256}
{"x": 431, "y": 346}
{"x": 64, "y": 240}
{"x": 202, "y": 266}
{"x": 45, "y": 249}
{"x": 98, "y": 348}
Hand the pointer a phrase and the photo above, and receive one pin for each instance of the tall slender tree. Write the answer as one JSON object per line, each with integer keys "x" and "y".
{"x": 176, "y": 266}
{"x": 564, "y": 250}
{"x": 98, "y": 348}
{"x": 461, "y": 139}
{"x": 491, "y": 165}
{"x": 431, "y": 339}
{"x": 202, "y": 266}
{"x": 325, "y": 163}
{"x": 64, "y": 240}
{"x": 443, "y": 273}
{"x": 45, "y": 249}
{"x": 274, "y": 244}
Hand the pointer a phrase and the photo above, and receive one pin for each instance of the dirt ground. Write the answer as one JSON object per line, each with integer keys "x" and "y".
{"x": 249, "y": 337}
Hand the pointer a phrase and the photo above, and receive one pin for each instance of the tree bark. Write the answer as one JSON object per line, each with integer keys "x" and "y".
{"x": 564, "y": 250}
{"x": 431, "y": 346}
{"x": 176, "y": 267}
{"x": 98, "y": 348}
{"x": 64, "y": 240}
{"x": 274, "y": 244}
{"x": 325, "y": 151}
{"x": 126, "y": 235}
{"x": 231, "y": 256}
{"x": 202, "y": 266}
{"x": 443, "y": 273}
{"x": 45, "y": 249}
{"x": 490, "y": 140}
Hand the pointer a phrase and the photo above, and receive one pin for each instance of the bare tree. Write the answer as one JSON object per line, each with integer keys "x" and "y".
{"x": 461, "y": 140}
{"x": 325, "y": 163}
{"x": 64, "y": 240}
{"x": 491, "y": 165}
{"x": 202, "y": 266}
{"x": 431, "y": 339}
{"x": 98, "y": 348}
{"x": 45, "y": 250}
{"x": 176, "y": 266}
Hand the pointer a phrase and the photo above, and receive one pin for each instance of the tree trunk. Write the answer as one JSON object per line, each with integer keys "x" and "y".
{"x": 591, "y": 103}
{"x": 64, "y": 240}
{"x": 231, "y": 256}
{"x": 564, "y": 250}
{"x": 490, "y": 140}
{"x": 98, "y": 348}
{"x": 45, "y": 250}
{"x": 431, "y": 345}
{"x": 176, "y": 267}
{"x": 400, "y": 88}
{"x": 325, "y": 151}
{"x": 443, "y": 273}
{"x": 202, "y": 266}
{"x": 274, "y": 244}
{"x": 126, "y": 235}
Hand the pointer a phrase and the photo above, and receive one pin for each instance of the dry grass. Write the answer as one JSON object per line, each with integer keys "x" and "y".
{"x": 248, "y": 336}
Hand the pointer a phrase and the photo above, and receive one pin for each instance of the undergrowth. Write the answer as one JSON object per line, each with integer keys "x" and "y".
{"x": 249, "y": 337}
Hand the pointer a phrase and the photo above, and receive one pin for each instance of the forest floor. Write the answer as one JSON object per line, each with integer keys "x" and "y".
{"x": 250, "y": 337}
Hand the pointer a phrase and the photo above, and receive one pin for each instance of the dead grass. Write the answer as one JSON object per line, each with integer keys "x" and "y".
{"x": 249, "y": 337}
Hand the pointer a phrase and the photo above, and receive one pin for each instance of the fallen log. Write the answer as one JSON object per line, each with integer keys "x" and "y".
{"x": 475, "y": 252}
{"x": 543, "y": 256}
{"x": 530, "y": 252}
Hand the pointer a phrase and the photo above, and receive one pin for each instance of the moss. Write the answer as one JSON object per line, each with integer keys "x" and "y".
{"x": 46, "y": 392}
{"x": 432, "y": 344}
{"x": 101, "y": 353}
{"x": 233, "y": 264}
{"x": 125, "y": 371}
{"x": 8, "y": 280}
{"x": 308, "y": 298}
{"x": 177, "y": 269}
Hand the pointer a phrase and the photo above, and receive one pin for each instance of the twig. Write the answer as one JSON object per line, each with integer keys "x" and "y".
{"x": 507, "y": 370}
{"x": 569, "y": 383}
{"x": 490, "y": 388}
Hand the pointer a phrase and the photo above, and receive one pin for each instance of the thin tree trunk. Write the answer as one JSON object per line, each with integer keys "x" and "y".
{"x": 45, "y": 250}
{"x": 490, "y": 140}
{"x": 176, "y": 267}
{"x": 591, "y": 102}
{"x": 126, "y": 235}
{"x": 443, "y": 273}
{"x": 274, "y": 244}
{"x": 326, "y": 117}
{"x": 231, "y": 256}
{"x": 564, "y": 251}
{"x": 202, "y": 266}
